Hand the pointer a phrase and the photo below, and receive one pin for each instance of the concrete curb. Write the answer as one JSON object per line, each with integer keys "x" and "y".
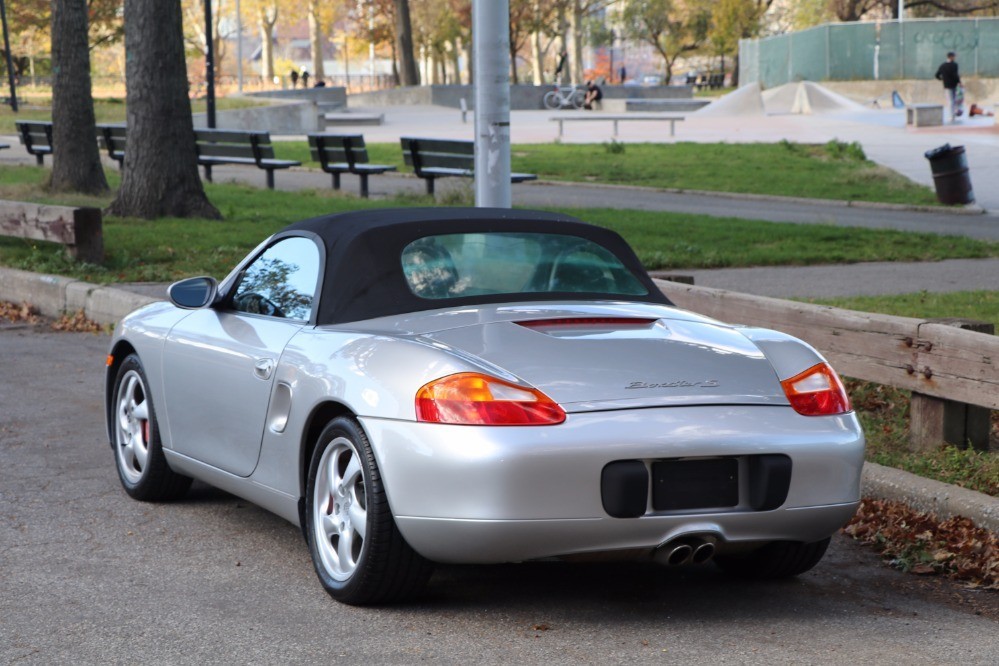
{"x": 53, "y": 296}
{"x": 929, "y": 496}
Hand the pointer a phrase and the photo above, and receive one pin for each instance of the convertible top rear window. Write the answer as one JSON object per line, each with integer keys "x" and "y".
{"x": 499, "y": 255}
{"x": 479, "y": 264}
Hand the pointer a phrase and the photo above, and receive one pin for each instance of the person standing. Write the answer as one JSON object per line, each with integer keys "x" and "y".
{"x": 947, "y": 72}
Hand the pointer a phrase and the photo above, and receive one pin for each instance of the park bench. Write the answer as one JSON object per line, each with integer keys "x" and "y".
{"x": 111, "y": 139}
{"x": 217, "y": 147}
{"x": 79, "y": 229}
{"x": 587, "y": 117}
{"x": 345, "y": 153}
{"x": 36, "y": 135}
{"x": 439, "y": 158}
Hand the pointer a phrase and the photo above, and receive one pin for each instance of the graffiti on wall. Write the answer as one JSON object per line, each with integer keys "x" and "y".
{"x": 948, "y": 40}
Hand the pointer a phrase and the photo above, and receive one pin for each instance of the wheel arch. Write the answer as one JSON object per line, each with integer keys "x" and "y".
{"x": 321, "y": 415}
{"x": 122, "y": 350}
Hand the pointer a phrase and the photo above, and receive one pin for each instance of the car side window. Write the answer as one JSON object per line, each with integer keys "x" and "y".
{"x": 281, "y": 282}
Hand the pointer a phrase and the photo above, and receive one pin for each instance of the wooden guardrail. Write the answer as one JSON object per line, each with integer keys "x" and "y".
{"x": 935, "y": 360}
{"x": 79, "y": 229}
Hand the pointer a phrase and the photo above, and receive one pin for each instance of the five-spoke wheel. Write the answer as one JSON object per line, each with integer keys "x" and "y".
{"x": 359, "y": 554}
{"x": 142, "y": 468}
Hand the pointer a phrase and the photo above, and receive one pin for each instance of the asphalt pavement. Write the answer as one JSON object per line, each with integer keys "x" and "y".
{"x": 90, "y": 576}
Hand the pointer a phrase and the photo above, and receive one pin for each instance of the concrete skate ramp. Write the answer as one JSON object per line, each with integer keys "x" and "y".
{"x": 806, "y": 97}
{"x": 813, "y": 98}
{"x": 746, "y": 101}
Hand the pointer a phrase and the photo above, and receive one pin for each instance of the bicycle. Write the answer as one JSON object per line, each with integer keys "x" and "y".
{"x": 564, "y": 97}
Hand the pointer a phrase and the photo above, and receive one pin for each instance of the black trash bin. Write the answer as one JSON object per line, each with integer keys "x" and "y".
{"x": 949, "y": 166}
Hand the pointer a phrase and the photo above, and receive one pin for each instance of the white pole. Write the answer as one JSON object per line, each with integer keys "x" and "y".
{"x": 901, "y": 10}
{"x": 491, "y": 46}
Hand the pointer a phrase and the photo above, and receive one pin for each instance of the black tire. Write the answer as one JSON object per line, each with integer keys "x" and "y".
{"x": 135, "y": 438}
{"x": 551, "y": 100}
{"x": 780, "y": 559}
{"x": 343, "y": 484}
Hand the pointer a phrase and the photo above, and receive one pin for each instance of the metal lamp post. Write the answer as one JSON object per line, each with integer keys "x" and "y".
{"x": 491, "y": 44}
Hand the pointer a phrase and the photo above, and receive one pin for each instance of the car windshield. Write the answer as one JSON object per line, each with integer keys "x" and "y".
{"x": 459, "y": 265}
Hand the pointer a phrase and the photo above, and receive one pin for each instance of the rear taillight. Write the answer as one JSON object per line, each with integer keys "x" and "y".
{"x": 470, "y": 398}
{"x": 817, "y": 392}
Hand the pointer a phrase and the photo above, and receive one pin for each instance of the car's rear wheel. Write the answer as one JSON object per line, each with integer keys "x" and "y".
{"x": 780, "y": 559}
{"x": 142, "y": 467}
{"x": 359, "y": 553}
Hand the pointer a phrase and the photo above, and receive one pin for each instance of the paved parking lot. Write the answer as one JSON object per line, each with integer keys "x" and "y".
{"x": 89, "y": 576}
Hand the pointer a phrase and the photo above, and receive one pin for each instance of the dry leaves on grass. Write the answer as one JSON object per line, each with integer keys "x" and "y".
{"x": 25, "y": 312}
{"x": 919, "y": 543}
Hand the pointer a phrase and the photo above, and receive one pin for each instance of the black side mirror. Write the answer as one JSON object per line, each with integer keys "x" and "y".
{"x": 193, "y": 293}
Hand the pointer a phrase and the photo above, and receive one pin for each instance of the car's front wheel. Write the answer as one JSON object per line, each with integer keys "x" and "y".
{"x": 780, "y": 559}
{"x": 142, "y": 467}
{"x": 359, "y": 553}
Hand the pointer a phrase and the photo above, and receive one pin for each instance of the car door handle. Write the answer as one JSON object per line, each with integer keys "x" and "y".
{"x": 263, "y": 368}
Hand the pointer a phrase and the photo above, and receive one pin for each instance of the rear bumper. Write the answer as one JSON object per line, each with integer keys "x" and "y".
{"x": 471, "y": 494}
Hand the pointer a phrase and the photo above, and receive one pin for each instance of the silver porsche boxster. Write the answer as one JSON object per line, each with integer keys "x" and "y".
{"x": 476, "y": 386}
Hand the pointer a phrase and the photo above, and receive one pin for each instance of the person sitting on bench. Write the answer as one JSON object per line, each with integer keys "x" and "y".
{"x": 593, "y": 94}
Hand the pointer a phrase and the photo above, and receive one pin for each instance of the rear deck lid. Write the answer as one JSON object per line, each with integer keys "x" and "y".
{"x": 594, "y": 362}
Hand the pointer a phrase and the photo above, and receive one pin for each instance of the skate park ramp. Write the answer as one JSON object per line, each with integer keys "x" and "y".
{"x": 801, "y": 97}
{"x": 745, "y": 101}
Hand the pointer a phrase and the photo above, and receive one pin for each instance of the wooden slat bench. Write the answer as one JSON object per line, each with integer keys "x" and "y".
{"x": 217, "y": 147}
{"x": 647, "y": 117}
{"x": 79, "y": 229}
{"x": 36, "y": 136}
{"x": 111, "y": 139}
{"x": 345, "y": 153}
{"x": 439, "y": 158}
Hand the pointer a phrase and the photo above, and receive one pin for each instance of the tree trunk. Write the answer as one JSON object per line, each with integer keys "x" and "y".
{"x": 76, "y": 162}
{"x": 404, "y": 44}
{"x": 316, "y": 42}
{"x": 160, "y": 174}
{"x": 576, "y": 42}
{"x": 537, "y": 57}
{"x": 265, "y": 23}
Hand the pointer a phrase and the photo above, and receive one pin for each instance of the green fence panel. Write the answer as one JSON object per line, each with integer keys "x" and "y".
{"x": 891, "y": 61}
{"x": 986, "y": 62}
{"x": 775, "y": 59}
{"x": 851, "y": 51}
{"x": 927, "y": 42}
{"x": 885, "y": 50}
{"x": 808, "y": 54}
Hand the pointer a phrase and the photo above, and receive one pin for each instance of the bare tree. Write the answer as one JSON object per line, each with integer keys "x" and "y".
{"x": 76, "y": 162}
{"x": 160, "y": 174}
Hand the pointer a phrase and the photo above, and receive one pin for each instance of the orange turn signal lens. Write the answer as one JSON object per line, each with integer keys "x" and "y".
{"x": 471, "y": 398}
{"x": 109, "y": 361}
{"x": 817, "y": 391}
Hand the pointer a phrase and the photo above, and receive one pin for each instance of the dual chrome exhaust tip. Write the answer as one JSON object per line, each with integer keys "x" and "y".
{"x": 685, "y": 550}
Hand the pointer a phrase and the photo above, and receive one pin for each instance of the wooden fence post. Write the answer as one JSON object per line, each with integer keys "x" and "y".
{"x": 934, "y": 420}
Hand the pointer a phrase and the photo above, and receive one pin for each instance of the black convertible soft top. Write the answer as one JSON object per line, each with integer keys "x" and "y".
{"x": 364, "y": 274}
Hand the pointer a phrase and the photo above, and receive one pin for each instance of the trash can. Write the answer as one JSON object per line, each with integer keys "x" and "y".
{"x": 949, "y": 166}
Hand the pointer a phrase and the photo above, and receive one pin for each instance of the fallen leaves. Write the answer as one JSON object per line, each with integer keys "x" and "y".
{"x": 77, "y": 322}
{"x": 919, "y": 543}
{"x": 26, "y": 313}
{"x": 12, "y": 312}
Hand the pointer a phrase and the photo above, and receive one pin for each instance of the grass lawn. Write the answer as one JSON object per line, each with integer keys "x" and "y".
{"x": 830, "y": 171}
{"x": 167, "y": 249}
